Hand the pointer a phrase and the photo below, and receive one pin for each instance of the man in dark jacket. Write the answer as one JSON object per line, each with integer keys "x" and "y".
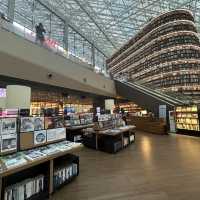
{"x": 40, "y": 33}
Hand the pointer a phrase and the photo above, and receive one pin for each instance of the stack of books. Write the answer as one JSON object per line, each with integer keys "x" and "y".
{"x": 25, "y": 189}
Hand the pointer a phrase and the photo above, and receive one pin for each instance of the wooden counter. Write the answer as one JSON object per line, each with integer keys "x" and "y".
{"x": 148, "y": 124}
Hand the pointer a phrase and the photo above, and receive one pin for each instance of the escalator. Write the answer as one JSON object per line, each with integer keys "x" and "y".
{"x": 146, "y": 97}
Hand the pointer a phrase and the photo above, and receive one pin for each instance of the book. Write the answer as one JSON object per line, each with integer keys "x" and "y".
{"x": 8, "y": 142}
{"x": 12, "y": 161}
{"x": 49, "y": 123}
{"x": 51, "y": 135}
{"x": 8, "y": 125}
{"x": 49, "y": 150}
{"x": 38, "y": 123}
{"x": 27, "y": 124}
{"x": 34, "y": 154}
{"x": 25, "y": 189}
{"x": 40, "y": 137}
{"x": 56, "y": 134}
{"x": 58, "y": 122}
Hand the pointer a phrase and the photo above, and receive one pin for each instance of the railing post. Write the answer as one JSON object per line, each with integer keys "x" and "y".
{"x": 93, "y": 56}
{"x": 11, "y": 10}
{"x": 66, "y": 35}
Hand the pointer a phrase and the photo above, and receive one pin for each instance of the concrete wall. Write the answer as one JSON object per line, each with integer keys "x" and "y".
{"x": 25, "y": 60}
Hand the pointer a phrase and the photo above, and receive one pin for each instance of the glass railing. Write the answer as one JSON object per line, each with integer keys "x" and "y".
{"x": 49, "y": 44}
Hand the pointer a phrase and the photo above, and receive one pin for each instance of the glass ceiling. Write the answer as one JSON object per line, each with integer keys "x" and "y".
{"x": 108, "y": 24}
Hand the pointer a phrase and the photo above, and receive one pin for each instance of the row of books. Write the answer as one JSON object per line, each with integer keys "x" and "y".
{"x": 191, "y": 127}
{"x": 30, "y": 124}
{"x": 186, "y": 109}
{"x": 26, "y": 189}
{"x": 22, "y": 158}
{"x": 172, "y": 66}
{"x": 148, "y": 46}
{"x": 8, "y": 142}
{"x": 187, "y": 121}
{"x": 176, "y": 53}
{"x": 78, "y": 119}
{"x": 162, "y": 19}
{"x": 65, "y": 174}
{"x": 50, "y": 135}
{"x": 168, "y": 28}
{"x": 109, "y": 121}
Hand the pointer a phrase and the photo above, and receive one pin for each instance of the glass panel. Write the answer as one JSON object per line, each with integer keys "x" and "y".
{"x": 4, "y": 7}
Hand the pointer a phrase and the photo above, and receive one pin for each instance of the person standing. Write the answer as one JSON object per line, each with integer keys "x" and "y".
{"x": 40, "y": 33}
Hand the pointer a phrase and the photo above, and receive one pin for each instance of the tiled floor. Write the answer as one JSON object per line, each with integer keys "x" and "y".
{"x": 154, "y": 168}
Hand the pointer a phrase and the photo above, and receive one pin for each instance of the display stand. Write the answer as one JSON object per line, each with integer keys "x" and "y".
{"x": 111, "y": 140}
{"x": 75, "y": 133}
{"x": 187, "y": 120}
{"x": 46, "y": 167}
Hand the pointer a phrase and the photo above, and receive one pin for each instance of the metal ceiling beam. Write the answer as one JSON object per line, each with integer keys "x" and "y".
{"x": 70, "y": 23}
{"x": 98, "y": 26}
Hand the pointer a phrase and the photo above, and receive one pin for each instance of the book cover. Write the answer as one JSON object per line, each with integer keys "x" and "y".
{"x": 49, "y": 123}
{"x": 8, "y": 142}
{"x": 8, "y": 125}
{"x": 38, "y": 123}
{"x": 34, "y": 154}
{"x": 40, "y": 137}
{"x": 51, "y": 135}
{"x": 14, "y": 160}
{"x": 27, "y": 124}
{"x": 60, "y": 133}
{"x": 58, "y": 122}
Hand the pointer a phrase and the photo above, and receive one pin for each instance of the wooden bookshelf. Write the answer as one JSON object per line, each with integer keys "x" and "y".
{"x": 26, "y": 170}
{"x": 151, "y": 57}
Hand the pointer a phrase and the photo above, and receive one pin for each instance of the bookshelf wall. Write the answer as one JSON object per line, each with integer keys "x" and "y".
{"x": 165, "y": 53}
{"x": 187, "y": 118}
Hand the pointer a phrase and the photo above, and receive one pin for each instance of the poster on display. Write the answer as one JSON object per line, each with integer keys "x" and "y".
{"x": 172, "y": 122}
{"x": 8, "y": 125}
{"x": 8, "y": 142}
{"x": 58, "y": 122}
{"x": 51, "y": 135}
{"x": 56, "y": 134}
{"x": 27, "y": 124}
{"x": 40, "y": 137}
{"x": 61, "y": 133}
{"x": 49, "y": 123}
{"x": 38, "y": 123}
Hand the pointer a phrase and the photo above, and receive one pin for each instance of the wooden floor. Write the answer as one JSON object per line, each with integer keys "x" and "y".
{"x": 155, "y": 168}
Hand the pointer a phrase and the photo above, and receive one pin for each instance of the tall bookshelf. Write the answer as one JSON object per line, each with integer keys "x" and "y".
{"x": 187, "y": 119}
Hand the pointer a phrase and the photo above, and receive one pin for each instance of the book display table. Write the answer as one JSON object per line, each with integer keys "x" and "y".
{"x": 75, "y": 133}
{"x": 37, "y": 173}
{"x": 110, "y": 140}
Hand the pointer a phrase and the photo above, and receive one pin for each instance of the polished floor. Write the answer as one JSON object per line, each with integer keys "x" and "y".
{"x": 154, "y": 168}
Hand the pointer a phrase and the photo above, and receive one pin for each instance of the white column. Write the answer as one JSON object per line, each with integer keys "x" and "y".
{"x": 110, "y": 105}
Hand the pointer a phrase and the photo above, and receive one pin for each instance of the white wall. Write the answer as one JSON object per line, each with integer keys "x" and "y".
{"x": 24, "y": 60}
